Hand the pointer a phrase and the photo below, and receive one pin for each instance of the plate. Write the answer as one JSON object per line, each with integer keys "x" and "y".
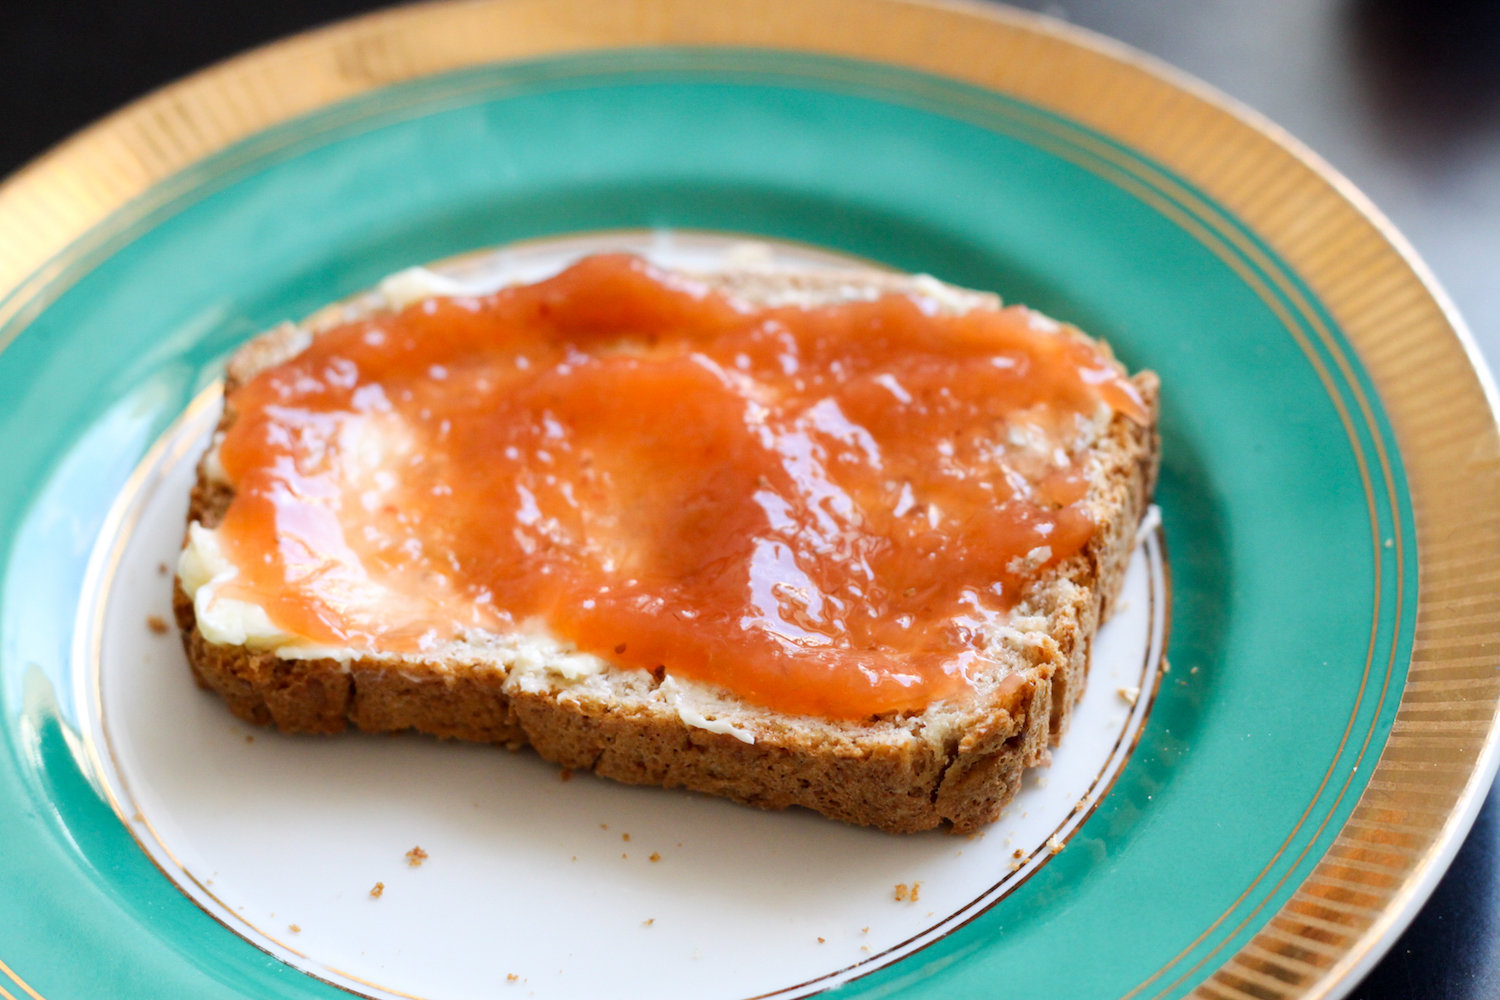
{"x": 1315, "y": 749}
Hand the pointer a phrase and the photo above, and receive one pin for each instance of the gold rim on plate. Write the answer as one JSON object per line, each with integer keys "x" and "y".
{"x": 1437, "y": 764}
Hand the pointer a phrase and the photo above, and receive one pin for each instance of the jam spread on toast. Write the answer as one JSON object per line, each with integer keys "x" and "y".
{"x": 824, "y": 510}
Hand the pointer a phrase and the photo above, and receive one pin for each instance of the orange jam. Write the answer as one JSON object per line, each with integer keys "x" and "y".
{"x": 821, "y": 509}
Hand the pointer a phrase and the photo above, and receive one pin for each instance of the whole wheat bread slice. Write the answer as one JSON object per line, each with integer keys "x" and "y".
{"x": 959, "y": 762}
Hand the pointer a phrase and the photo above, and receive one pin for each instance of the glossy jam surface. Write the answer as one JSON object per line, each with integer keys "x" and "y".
{"x": 822, "y": 510}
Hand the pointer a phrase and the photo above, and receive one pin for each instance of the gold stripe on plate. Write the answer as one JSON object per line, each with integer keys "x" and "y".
{"x": 19, "y": 982}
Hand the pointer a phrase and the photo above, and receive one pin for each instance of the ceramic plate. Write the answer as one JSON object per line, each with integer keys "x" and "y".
{"x": 1255, "y": 814}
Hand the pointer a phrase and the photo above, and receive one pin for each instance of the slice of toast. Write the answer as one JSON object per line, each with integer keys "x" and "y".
{"x": 957, "y": 762}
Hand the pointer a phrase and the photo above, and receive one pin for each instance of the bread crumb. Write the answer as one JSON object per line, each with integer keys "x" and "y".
{"x": 158, "y": 624}
{"x": 575, "y": 857}
{"x": 655, "y": 855}
{"x": 604, "y": 826}
{"x": 821, "y": 941}
{"x": 415, "y": 857}
{"x": 161, "y": 569}
{"x": 1166, "y": 667}
{"x": 377, "y": 890}
{"x": 1129, "y": 694}
{"x": 566, "y": 774}
{"x": 916, "y": 891}
{"x": 1015, "y": 865}
{"x": 864, "y": 947}
{"x": 1016, "y": 853}
{"x": 249, "y": 737}
{"x": 648, "y": 921}
{"x": 1192, "y": 670}
{"x": 864, "y": 930}
{"x": 294, "y": 928}
{"x": 138, "y": 818}
{"x": 902, "y": 889}
{"x": 511, "y": 977}
{"x": 1041, "y": 782}
{"x": 625, "y": 837}
{"x": 623, "y": 855}
{"x": 1054, "y": 845}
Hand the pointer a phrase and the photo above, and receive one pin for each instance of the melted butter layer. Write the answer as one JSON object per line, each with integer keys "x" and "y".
{"x": 824, "y": 510}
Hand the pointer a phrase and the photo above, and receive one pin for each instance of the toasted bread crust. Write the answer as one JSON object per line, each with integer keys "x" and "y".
{"x": 959, "y": 766}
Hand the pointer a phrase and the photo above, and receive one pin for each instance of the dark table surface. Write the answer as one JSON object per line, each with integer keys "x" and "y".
{"x": 1401, "y": 96}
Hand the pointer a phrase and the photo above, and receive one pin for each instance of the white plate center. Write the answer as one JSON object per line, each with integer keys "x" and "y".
{"x": 553, "y": 888}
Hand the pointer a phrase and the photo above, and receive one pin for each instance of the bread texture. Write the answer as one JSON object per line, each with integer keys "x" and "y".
{"x": 956, "y": 764}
